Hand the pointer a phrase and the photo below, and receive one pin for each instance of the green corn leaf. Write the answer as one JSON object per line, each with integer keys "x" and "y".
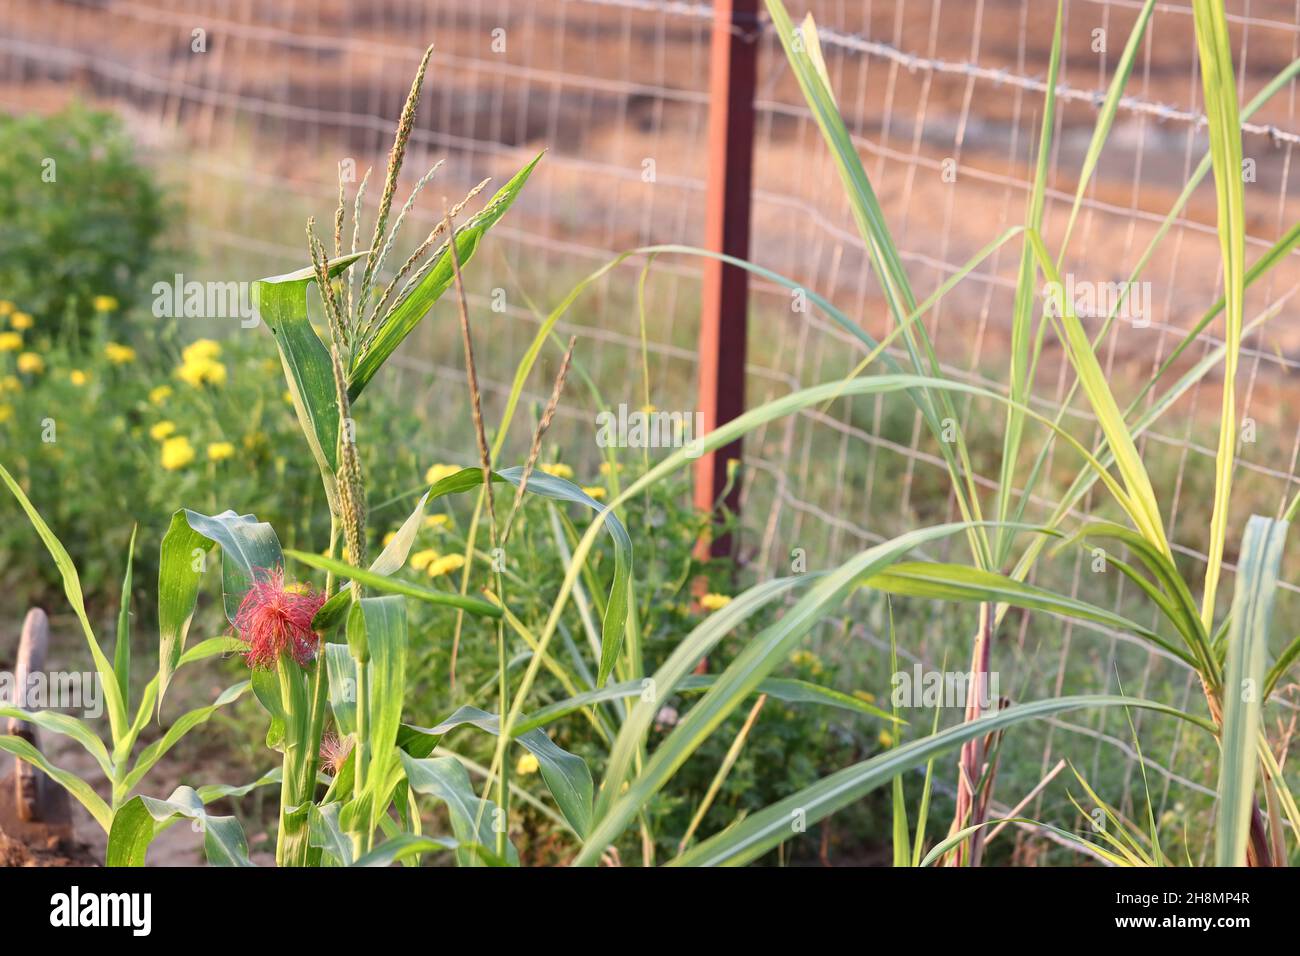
{"x": 122, "y": 644}
{"x": 69, "y": 781}
{"x": 446, "y": 779}
{"x": 342, "y": 671}
{"x": 67, "y": 726}
{"x": 408, "y": 313}
{"x": 247, "y": 546}
{"x": 567, "y": 776}
{"x": 183, "y": 725}
{"x": 558, "y": 489}
{"x": 403, "y": 846}
{"x": 378, "y": 582}
{"x": 385, "y": 620}
{"x": 140, "y": 819}
{"x": 390, "y": 560}
{"x": 281, "y": 302}
{"x": 72, "y": 588}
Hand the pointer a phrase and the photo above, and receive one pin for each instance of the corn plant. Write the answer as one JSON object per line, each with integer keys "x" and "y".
{"x": 331, "y": 666}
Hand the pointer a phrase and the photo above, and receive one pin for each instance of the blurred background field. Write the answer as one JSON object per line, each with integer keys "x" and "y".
{"x": 237, "y": 145}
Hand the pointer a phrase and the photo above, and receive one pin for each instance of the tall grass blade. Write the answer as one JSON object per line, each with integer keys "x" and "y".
{"x": 1252, "y": 617}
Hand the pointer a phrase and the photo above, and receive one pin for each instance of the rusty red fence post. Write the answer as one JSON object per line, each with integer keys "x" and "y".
{"x": 733, "y": 73}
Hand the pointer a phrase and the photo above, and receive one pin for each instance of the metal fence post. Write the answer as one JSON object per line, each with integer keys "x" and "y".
{"x": 724, "y": 300}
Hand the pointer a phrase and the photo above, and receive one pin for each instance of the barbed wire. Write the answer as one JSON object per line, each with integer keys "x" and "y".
{"x": 915, "y": 63}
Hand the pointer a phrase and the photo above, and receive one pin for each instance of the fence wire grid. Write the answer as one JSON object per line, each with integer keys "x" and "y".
{"x": 943, "y": 100}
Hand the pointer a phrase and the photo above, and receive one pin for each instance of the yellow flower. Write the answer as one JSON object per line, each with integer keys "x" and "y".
{"x": 713, "y": 601}
{"x": 159, "y": 394}
{"x": 6, "y": 307}
{"x": 78, "y": 378}
{"x": 422, "y": 559}
{"x": 177, "y": 453}
{"x": 10, "y": 383}
{"x": 525, "y": 765}
{"x": 6, "y": 413}
{"x": 437, "y": 521}
{"x": 163, "y": 430}
{"x": 31, "y": 363}
{"x": 596, "y": 492}
{"x": 202, "y": 372}
{"x": 558, "y": 470}
{"x": 446, "y": 564}
{"x": 287, "y": 396}
{"x": 388, "y": 538}
{"x": 201, "y": 350}
{"x": 886, "y": 738}
{"x": 10, "y": 341}
{"x": 866, "y": 695}
{"x": 119, "y": 354}
{"x": 21, "y": 321}
{"x": 436, "y": 473}
{"x": 220, "y": 451}
{"x": 648, "y": 409}
{"x": 606, "y": 470}
{"x": 807, "y": 659}
{"x": 105, "y": 303}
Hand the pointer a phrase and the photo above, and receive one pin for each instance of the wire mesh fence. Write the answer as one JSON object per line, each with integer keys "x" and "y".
{"x": 249, "y": 107}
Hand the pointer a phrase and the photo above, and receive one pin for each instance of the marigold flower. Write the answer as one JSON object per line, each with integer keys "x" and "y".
{"x": 105, "y": 303}
{"x": 220, "y": 451}
{"x": 446, "y": 564}
{"x": 21, "y": 321}
{"x": 807, "y": 659}
{"x": 713, "y": 602}
{"x": 422, "y": 559}
{"x": 177, "y": 453}
{"x": 201, "y": 350}
{"x": 276, "y": 621}
{"x": 436, "y": 473}
{"x": 159, "y": 394}
{"x": 202, "y": 372}
{"x": 526, "y": 764}
{"x": 10, "y": 341}
{"x": 78, "y": 378}
{"x": 31, "y": 363}
{"x": 119, "y": 354}
{"x": 558, "y": 470}
{"x": 164, "y": 429}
